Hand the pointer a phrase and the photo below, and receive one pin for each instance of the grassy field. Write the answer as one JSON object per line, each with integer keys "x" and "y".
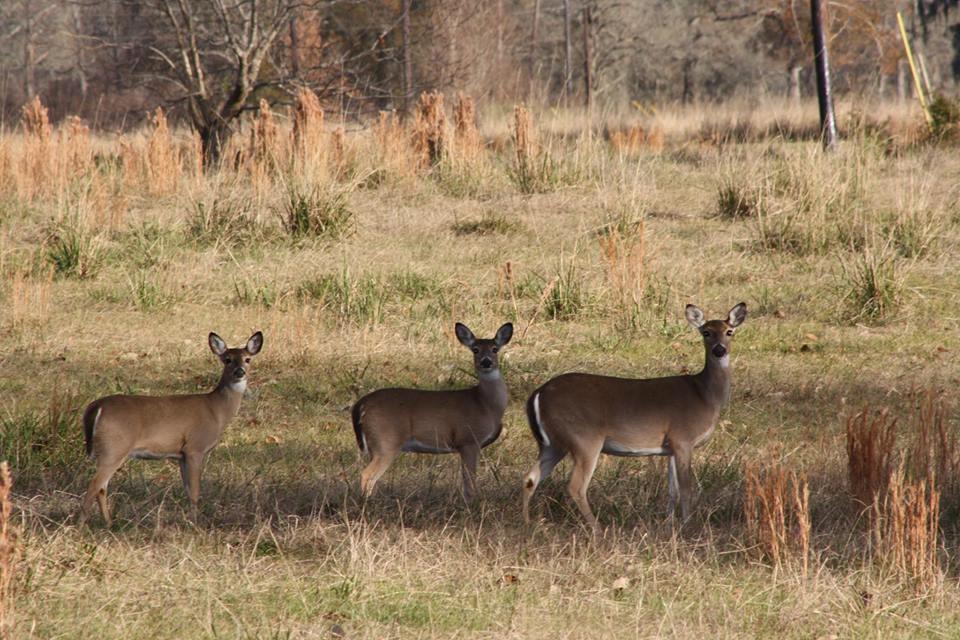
{"x": 355, "y": 256}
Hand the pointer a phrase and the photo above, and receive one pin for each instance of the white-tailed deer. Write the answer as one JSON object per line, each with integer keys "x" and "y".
{"x": 389, "y": 421}
{"x": 586, "y": 415}
{"x": 183, "y": 428}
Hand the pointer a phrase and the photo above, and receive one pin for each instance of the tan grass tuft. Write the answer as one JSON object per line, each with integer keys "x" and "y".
{"x": 776, "y": 506}
{"x": 8, "y": 552}
{"x": 623, "y": 249}
{"x": 524, "y": 138}
{"x": 430, "y": 129}
{"x": 161, "y": 161}
{"x": 308, "y": 119}
{"x": 934, "y": 454}
{"x": 35, "y": 120}
{"x": 466, "y": 133}
{"x": 628, "y": 140}
{"x": 263, "y": 136}
{"x": 393, "y": 152}
{"x": 339, "y": 146}
{"x": 77, "y": 143}
{"x": 906, "y": 530}
{"x": 36, "y": 170}
{"x": 870, "y": 451}
{"x": 30, "y": 298}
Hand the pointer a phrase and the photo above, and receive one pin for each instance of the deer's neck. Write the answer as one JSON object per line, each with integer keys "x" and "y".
{"x": 493, "y": 391}
{"x": 226, "y": 398}
{"x": 714, "y": 380}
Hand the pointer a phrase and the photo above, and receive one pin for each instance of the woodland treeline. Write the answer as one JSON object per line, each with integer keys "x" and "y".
{"x": 206, "y": 61}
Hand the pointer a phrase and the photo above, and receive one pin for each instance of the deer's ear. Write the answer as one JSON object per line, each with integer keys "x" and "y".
{"x": 255, "y": 343}
{"x": 464, "y": 335}
{"x": 694, "y": 316}
{"x": 737, "y": 315}
{"x": 217, "y": 345}
{"x": 504, "y": 334}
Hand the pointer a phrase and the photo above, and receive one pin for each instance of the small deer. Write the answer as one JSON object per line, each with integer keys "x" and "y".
{"x": 183, "y": 428}
{"x": 586, "y": 415}
{"x": 389, "y": 421}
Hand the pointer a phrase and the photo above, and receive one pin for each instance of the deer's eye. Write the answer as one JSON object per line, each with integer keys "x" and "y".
{"x": 475, "y": 349}
{"x": 494, "y": 350}
{"x": 246, "y": 359}
{"x": 706, "y": 334}
{"x": 729, "y": 332}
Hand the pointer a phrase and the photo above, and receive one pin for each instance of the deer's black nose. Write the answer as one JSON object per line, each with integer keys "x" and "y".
{"x": 486, "y": 363}
{"x": 719, "y": 350}
{"x": 239, "y": 372}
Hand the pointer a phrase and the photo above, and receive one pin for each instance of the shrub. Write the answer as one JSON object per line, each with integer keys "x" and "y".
{"x": 317, "y": 211}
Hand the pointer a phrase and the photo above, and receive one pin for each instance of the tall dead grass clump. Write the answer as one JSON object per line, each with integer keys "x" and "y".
{"x": 906, "y": 531}
{"x": 870, "y": 454}
{"x": 76, "y": 140}
{"x": 308, "y": 119}
{"x": 430, "y": 129}
{"x": 627, "y": 140}
{"x": 467, "y": 141}
{"x": 623, "y": 250}
{"x": 30, "y": 298}
{"x": 37, "y": 160}
{"x": 933, "y": 455}
{"x": 393, "y": 155}
{"x": 263, "y": 151}
{"x": 8, "y": 552}
{"x": 7, "y": 177}
{"x": 161, "y": 161}
{"x": 776, "y": 507}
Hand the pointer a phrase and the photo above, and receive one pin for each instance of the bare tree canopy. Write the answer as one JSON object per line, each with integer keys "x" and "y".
{"x": 111, "y": 61}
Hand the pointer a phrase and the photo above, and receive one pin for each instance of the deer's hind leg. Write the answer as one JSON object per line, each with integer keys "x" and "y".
{"x": 549, "y": 457}
{"x": 97, "y": 490}
{"x": 380, "y": 461}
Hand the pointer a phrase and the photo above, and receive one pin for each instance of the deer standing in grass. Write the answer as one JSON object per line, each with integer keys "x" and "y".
{"x": 390, "y": 421}
{"x": 586, "y": 415}
{"x": 183, "y": 428}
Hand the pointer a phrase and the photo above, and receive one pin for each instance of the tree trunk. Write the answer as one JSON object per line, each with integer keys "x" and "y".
{"x": 29, "y": 52}
{"x": 213, "y": 139}
{"x": 568, "y": 51}
{"x": 294, "y": 46}
{"x": 587, "y": 59}
{"x": 534, "y": 38}
{"x": 828, "y": 120}
{"x": 795, "y": 93}
{"x": 407, "y": 63}
{"x": 903, "y": 86}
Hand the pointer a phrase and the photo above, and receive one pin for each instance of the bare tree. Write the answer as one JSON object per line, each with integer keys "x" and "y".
{"x": 215, "y": 58}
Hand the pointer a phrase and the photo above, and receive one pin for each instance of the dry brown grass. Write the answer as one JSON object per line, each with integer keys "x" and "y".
{"x": 870, "y": 454}
{"x": 308, "y": 129}
{"x": 933, "y": 456}
{"x": 8, "y": 552}
{"x": 430, "y": 129}
{"x": 29, "y": 298}
{"x": 906, "y": 531}
{"x": 161, "y": 160}
{"x": 776, "y": 507}
{"x": 285, "y": 548}
{"x": 468, "y": 145}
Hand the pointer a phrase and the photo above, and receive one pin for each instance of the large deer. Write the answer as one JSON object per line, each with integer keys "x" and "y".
{"x": 464, "y": 421}
{"x": 183, "y": 428}
{"x": 586, "y": 415}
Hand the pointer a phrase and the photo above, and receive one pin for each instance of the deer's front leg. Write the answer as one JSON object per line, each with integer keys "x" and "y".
{"x": 468, "y": 468}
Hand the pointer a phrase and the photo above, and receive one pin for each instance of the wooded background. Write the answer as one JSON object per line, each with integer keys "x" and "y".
{"x": 111, "y": 61}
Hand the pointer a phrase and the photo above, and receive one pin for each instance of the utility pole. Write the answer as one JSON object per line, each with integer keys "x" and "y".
{"x": 828, "y": 120}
